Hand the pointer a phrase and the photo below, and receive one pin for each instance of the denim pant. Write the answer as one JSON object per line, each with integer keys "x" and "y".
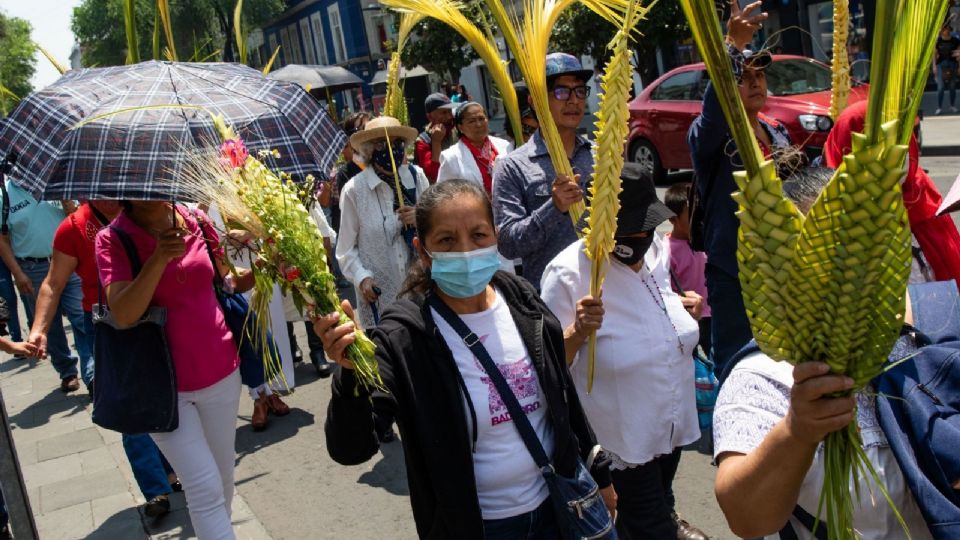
{"x": 71, "y": 306}
{"x": 148, "y": 465}
{"x": 728, "y": 317}
{"x": 538, "y": 524}
{"x": 645, "y": 502}
{"x": 9, "y": 293}
{"x": 942, "y": 85}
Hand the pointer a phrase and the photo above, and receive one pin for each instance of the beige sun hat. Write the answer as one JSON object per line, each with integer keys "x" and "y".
{"x": 381, "y": 127}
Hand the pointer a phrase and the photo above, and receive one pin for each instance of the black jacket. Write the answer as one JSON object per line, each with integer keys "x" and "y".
{"x": 424, "y": 383}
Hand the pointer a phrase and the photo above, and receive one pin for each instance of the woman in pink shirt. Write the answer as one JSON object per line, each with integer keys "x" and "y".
{"x": 178, "y": 274}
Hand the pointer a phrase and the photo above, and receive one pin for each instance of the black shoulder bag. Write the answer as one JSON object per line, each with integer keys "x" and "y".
{"x": 578, "y": 505}
{"x": 136, "y": 389}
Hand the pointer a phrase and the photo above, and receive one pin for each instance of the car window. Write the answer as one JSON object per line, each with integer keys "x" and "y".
{"x": 680, "y": 87}
{"x": 795, "y": 76}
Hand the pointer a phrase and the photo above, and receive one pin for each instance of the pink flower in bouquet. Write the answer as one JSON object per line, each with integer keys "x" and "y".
{"x": 233, "y": 153}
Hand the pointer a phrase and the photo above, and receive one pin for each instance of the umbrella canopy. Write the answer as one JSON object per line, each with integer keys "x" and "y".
{"x": 380, "y": 77}
{"x": 140, "y": 154}
{"x": 329, "y": 78}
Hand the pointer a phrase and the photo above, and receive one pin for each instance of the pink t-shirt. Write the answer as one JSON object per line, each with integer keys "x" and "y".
{"x": 689, "y": 266}
{"x": 200, "y": 341}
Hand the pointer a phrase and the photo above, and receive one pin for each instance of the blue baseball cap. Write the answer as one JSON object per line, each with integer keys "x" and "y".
{"x": 559, "y": 63}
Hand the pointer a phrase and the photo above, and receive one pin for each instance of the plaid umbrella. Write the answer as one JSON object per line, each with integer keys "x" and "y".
{"x": 138, "y": 155}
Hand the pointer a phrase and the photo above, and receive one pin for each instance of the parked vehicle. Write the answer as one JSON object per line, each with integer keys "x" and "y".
{"x": 799, "y": 97}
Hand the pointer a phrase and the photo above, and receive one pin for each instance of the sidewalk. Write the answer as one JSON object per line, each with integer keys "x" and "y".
{"x": 77, "y": 475}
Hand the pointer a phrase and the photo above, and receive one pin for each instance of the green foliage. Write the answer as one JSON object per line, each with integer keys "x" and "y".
{"x": 204, "y": 25}
{"x": 439, "y": 49}
{"x": 17, "y": 61}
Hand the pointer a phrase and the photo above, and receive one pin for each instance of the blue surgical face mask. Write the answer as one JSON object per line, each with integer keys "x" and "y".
{"x": 463, "y": 274}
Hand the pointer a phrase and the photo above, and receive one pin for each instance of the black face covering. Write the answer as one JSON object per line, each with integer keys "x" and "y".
{"x": 630, "y": 250}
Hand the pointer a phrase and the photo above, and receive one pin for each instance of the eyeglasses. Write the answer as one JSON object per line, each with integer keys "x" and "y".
{"x": 563, "y": 93}
{"x": 529, "y": 130}
{"x": 395, "y": 143}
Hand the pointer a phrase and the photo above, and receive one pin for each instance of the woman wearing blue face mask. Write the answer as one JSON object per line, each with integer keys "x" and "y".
{"x": 373, "y": 248}
{"x": 642, "y": 404}
{"x": 470, "y": 474}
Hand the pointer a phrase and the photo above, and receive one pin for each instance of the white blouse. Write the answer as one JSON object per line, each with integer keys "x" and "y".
{"x": 643, "y": 403}
{"x": 370, "y": 242}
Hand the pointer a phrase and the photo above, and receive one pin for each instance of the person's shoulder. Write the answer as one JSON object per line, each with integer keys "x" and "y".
{"x": 760, "y": 364}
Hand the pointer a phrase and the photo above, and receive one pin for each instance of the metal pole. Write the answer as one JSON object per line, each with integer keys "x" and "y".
{"x": 14, "y": 488}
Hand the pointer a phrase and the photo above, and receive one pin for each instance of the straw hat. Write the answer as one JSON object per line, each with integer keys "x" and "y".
{"x": 375, "y": 130}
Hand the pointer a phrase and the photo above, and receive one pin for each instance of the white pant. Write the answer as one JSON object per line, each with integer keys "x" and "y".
{"x": 202, "y": 453}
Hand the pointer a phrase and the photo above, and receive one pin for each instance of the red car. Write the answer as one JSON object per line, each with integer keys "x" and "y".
{"x": 799, "y": 97}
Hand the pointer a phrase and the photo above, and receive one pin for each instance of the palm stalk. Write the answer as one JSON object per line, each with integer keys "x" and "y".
{"x": 450, "y": 12}
{"x": 239, "y": 35}
{"x": 130, "y": 24}
{"x": 395, "y": 104}
{"x": 273, "y": 58}
{"x": 840, "y": 66}
{"x": 165, "y": 21}
{"x": 830, "y": 286}
{"x": 611, "y": 133}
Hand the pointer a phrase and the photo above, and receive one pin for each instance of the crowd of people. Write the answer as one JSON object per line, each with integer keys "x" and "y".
{"x": 460, "y": 250}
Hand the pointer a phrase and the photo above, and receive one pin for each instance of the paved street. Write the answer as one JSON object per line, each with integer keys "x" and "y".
{"x": 288, "y": 488}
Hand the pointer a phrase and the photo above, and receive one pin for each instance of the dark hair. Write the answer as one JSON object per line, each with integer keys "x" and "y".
{"x": 126, "y": 205}
{"x": 351, "y": 124}
{"x": 805, "y": 186}
{"x": 462, "y": 110}
{"x": 676, "y": 197}
{"x": 418, "y": 279}
{"x": 552, "y": 80}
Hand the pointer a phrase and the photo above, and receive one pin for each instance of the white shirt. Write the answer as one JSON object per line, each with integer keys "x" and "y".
{"x": 370, "y": 244}
{"x": 643, "y": 402}
{"x": 458, "y": 162}
{"x": 756, "y": 396}
{"x": 508, "y": 480}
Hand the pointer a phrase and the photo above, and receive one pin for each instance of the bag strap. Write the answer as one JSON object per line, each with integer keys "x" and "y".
{"x": 132, "y": 255}
{"x": 104, "y": 221}
{"x": 520, "y": 420}
{"x": 5, "y": 167}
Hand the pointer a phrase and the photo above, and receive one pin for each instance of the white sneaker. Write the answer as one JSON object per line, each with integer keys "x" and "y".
{"x": 937, "y": 112}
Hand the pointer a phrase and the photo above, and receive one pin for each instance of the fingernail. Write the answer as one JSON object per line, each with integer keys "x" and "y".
{"x": 848, "y": 382}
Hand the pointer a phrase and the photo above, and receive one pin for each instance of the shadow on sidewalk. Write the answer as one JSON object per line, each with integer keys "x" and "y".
{"x": 55, "y": 402}
{"x": 390, "y": 473}
{"x": 127, "y": 523}
{"x": 279, "y": 430}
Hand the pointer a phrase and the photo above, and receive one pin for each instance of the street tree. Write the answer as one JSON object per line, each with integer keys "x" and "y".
{"x": 17, "y": 61}
{"x": 201, "y": 28}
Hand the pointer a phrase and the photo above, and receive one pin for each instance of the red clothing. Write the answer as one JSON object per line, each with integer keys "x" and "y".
{"x": 424, "y": 156}
{"x": 484, "y": 157}
{"x": 937, "y": 236}
{"x": 75, "y": 237}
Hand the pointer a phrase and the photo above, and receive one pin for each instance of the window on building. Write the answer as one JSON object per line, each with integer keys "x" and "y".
{"x": 286, "y": 49}
{"x": 319, "y": 43}
{"x": 308, "y": 47}
{"x": 336, "y": 32}
{"x": 296, "y": 53}
{"x": 272, "y": 43}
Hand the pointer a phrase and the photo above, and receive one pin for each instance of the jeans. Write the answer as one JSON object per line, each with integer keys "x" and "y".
{"x": 730, "y": 327}
{"x": 9, "y": 293}
{"x": 951, "y": 67}
{"x": 70, "y": 305}
{"x": 645, "y": 502}
{"x": 538, "y": 524}
{"x": 202, "y": 451}
{"x": 147, "y": 464}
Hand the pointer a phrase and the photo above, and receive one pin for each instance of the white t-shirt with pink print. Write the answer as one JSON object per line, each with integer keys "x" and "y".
{"x": 508, "y": 481}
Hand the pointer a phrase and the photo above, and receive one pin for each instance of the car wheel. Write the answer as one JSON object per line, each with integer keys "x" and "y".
{"x": 646, "y": 155}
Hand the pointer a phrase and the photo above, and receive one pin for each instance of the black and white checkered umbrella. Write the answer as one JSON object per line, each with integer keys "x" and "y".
{"x": 139, "y": 154}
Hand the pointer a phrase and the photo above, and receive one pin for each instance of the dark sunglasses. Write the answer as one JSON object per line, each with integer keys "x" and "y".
{"x": 395, "y": 143}
{"x": 563, "y": 93}
{"x": 529, "y": 130}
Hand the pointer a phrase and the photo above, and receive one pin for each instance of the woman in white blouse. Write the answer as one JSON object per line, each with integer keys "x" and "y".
{"x": 371, "y": 248}
{"x": 642, "y": 404}
{"x": 473, "y": 156}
